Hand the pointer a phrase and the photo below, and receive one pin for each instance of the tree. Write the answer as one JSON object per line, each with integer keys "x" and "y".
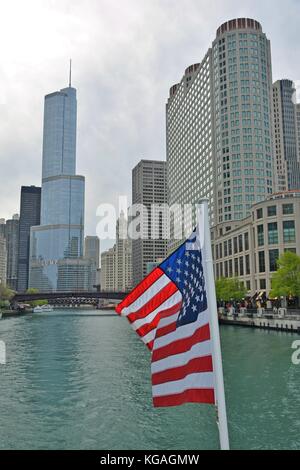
{"x": 230, "y": 289}
{"x": 35, "y": 303}
{"x": 6, "y": 293}
{"x": 286, "y": 280}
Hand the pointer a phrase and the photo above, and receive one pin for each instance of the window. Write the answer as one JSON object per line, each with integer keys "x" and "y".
{"x": 273, "y": 258}
{"x": 272, "y": 233}
{"x": 230, "y": 267}
{"x": 246, "y": 241}
{"x": 225, "y": 248}
{"x": 289, "y": 234}
{"x": 261, "y": 261}
{"x": 291, "y": 250}
{"x": 235, "y": 245}
{"x": 287, "y": 209}
{"x": 240, "y": 243}
{"x": 272, "y": 211}
{"x": 229, "y": 247}
{"x": 260, "y": 235}
{"x": 259, "y": 214}
{"x": 241, "y": 266}
{"x": 247, "y": 264}
{"x": 262, "y": 284}
{"x": 236, "y": 267}
{"x": 226, "y": 268}
{"x": 248, "y": 285}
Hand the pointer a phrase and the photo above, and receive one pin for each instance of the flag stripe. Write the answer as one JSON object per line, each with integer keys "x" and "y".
{"x": 154, "y": 318}
{"x": 198, "y": 350}
{"x": 139, "y": 290}
{"x": 197, "y": 380}
{"x": 158, "y": 285}
{"x": 153, "y": 303}
{"x": 162, "y": 331}
{"x": 181, "y": 345}
{"x": 169, "y": 302}
{"x": 199, "y": 364}
{"x": 184, "y": 331}
{"x": 189, "y": 396}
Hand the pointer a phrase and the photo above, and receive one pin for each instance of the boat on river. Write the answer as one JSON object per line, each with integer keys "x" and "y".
{"x": 43, "y": 309}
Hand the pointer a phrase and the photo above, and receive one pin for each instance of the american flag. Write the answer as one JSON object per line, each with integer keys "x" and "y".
{"x": 169, "y": 311}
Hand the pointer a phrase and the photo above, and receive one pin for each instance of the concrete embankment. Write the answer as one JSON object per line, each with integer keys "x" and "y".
{"x": 288, "y": 324}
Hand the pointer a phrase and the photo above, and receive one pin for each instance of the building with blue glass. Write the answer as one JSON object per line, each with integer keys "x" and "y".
{"x": 56, "y": 245}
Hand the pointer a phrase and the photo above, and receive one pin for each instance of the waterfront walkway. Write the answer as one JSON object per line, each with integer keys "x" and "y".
{"x": 283, "y": 319}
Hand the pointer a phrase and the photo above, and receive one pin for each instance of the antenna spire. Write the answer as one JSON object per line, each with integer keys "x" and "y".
{"x": 70, "y": 74}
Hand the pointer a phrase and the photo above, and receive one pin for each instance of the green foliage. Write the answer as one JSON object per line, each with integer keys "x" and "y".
{"x": 35, "y": 303}
{"x": 31, "y": 290}
{"x": 6, "y": 293}
{"x": 4, "y": 304}
{"x": 286, "y": 280}
{"x": 230, "y": 289}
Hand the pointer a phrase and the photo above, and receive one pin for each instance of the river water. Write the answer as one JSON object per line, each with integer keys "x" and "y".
{"x": 81, "y": 380}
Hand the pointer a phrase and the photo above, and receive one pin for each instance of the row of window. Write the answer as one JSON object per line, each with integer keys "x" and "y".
{"x": 287, "y": 209}
{"x": 289, "y": 233}
{"x": 241, "y": 266}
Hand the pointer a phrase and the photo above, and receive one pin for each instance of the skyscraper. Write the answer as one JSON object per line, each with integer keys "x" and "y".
{"x": 56, "y": 246}
{"x": 92, "y": 253}
{"x": 3, "y": 255}
{"x": 286, "y": 135}
{"x": 12, "y": 245}
{"x": 123, "y": 274}
{"x": 219, "y": 125}
{"x": 30, "y": 212}
{"x": 149, "y": 188}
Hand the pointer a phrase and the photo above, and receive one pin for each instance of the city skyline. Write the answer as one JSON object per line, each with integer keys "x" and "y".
{"x": 114, "y": 131}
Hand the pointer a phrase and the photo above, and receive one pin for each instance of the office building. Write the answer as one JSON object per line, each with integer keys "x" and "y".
{"x": 3, "y": 260}
{"x": 123, "y": 252}
{"x": 286, "y": 143}
{"x": 219, "y": 126}
{"x": 116, "y": 263}
{"x": 56, "y": 246}
{"x": 251, "y": 248}
{"x": 92, "y": 252}
{"x": 12, "y": 245}
{"x": 149, "y": 189}
{"x": 30, "y": 212}
{"x": 108, "y": 270}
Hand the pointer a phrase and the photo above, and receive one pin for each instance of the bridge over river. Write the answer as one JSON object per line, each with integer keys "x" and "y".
{"x": 74, "y": 298}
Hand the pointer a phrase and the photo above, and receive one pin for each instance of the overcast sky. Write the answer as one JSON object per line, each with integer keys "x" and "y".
{"x": 126, "y": 55}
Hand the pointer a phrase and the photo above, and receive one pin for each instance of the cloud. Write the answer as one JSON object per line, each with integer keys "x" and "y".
{"x": 126, "y": 55}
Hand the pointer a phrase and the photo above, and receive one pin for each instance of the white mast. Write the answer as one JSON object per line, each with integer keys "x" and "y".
{"x": 205, "y": 240}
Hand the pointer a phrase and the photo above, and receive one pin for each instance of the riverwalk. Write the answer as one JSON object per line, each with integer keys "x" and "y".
{"x": 282, "y": 321}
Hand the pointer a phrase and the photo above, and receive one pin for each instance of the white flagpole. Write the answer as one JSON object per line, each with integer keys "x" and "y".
{"x": 205, "y": 240}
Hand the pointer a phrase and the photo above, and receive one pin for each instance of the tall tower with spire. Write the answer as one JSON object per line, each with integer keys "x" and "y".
{"x": 56, "y": 246}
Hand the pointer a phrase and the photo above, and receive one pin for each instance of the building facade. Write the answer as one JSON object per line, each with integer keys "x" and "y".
{"x": 149, "y": 190}
{"x": 30, "y": 213}
{"x": 56, "y": 245}
{"x": 286, "y": 135}
{"x": 92, "y": 252}
{"x": 250, "y": 248}
{"x": 219, "y": 125}
{"x": 108, "y": 270}
{"x": 12, "y": 244}
{"x": 116, "y": 263}
{"x": 3, "y": 260}
{"x": 123, "y": 252}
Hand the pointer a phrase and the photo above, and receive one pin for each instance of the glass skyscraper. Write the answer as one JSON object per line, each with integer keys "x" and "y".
{"x": 56, "y": 246}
